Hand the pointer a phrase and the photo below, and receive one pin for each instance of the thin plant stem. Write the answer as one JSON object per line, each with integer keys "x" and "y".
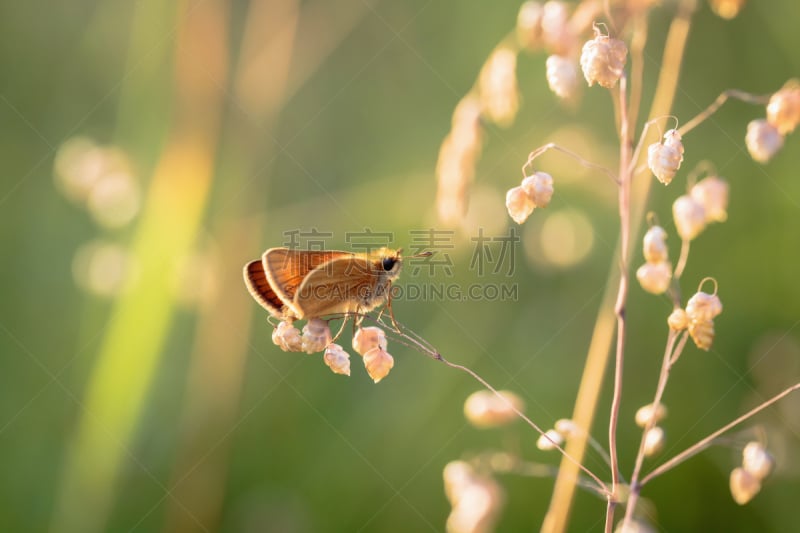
{"x": 662, "y": 384}
{"x": 553, "y": 146}
{"x": 523, "y": 416}
{"x": 418, "y": 343}
{"x": 684, "y": 257}
{"x": 721, "y": 99}
{"x": 696, "y": 448}
{"x": 596, "y": 361}
{"x": 622, "y": 294}
{"x": 638, "y": 42}
{"x": 611, "y": 505}
{"x": 679, "y": 349}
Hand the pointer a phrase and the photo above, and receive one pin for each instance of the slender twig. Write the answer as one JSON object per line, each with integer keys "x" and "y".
{"x": 553, "y": 146}
{"x": 638, "y": 42}
{"x": 662, "y": 384}
{"x": 684, "y": 257}
{"x": 589, "y": 390}
{"x": 693, "y": 450}
{"x": 622, "y": 294}
{"x": 676, "y": 354}
{"x": 721, "y": 99}
{"x": 600, "y": 485}
{"x": 416, "y": 342}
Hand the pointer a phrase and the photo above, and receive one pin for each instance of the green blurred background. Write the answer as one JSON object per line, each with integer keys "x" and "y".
{"x": 140, "y": 389}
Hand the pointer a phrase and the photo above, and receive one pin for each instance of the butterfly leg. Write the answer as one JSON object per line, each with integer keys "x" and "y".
{"x": 341, "y": 328}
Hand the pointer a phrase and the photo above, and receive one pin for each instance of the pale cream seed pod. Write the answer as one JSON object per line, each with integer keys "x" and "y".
{"x": 689, "y": 217}
{"x": 539, "y": 188}
{"x": 744, "y": 485}
{"x": 649, "y": 413}
{"x": 757, "y": 461}
{"x": 519, "y": 204}
{"x": 287, "y": 337}
{"x": 703, "y": 306}
{"x": 678, "y": 320}
{"x": 712, "y": 194}
{"x": 603, "y": 60}
{"x": 654, "y": 245}
{"x": 568, "y": 428}
{"x": 367, "y": 338}
{"x": 378, "y": 363}
{"x": 316, "y": 335}
{"x": 654, "y": 440}
{"x": 655, "y": 277}
{"x": 763, "y": 140}
{"x": 337, "y": 359}
{"x": 562, "y": 76}
{"x": 634, "y": 526}
{"x": 783, "y": 109}
{"x": 475, "y": 498}
{"x": 529, "y": 25}
{"x": 665, "y": 158}
{"x": 549, "y": 440}
{"x": 484, "y": 409}
{"x": 556, "y": 33}
{"x": 726, "y": 9}
{"x": 702, "y": 333}
{"x": 497, "y": 86}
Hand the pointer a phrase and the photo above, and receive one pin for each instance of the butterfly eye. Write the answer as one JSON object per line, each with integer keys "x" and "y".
{"x": 388, "y": 263}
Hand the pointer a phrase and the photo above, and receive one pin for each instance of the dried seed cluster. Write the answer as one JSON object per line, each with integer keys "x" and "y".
{"x": 745, "y": 481}
{"x": 765, "y": 136}
{"x": 656, "y": 273}
{"x": 534, "y": 191}
{"x": 369, "y": 342}
{"x": 665, "y": 158}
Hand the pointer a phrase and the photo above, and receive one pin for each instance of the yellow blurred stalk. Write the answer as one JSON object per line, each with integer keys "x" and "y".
{"x": 220, "y": 347}
{"x": 173, "y": 210}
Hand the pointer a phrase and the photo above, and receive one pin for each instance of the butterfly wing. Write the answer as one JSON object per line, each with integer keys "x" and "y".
{"x": 344, "y": 285}
{"x": 257, "y": 283}
{"x": 285, "y": 270}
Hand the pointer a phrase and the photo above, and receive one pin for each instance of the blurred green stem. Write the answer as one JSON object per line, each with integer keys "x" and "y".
{"x": 172, "y": 213}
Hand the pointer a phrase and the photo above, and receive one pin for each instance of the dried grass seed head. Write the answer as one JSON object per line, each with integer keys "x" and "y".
{"x": 539, "y": 188}
{"x": 316, "y": 335}
{"x": 497, "y": 87}
{"x": 744, "y": 485}
{"x": 519, "y": 204}
{"x": 654, "y": 245}
{"x": 476, "y": 499}
{"x": 484, "y": 409}
{"x": 337, "y": 359}
{"x": 783, "y": 109}
{"x": 689, "y": 217}
{"x": 562, "y": 77}
{"x": 603, "y": 60}
{"x": 756, "y": 460}
{"x": 649, "y": 413}
{"x": 529, "y": 25}
{"x": 367, "y": 338}
{"x": 678, "y": 320}
{"x": 378, "y": 363}
{"x": 665, "y": 158}
{"x": 287, "y": 337}
{"x": 726, "y": 9}
{"x": 763, "y": 140}
{"x": 655, "y": 277}
{"x": 550, "y": 440}
{"x": 654, "y": 440}
{"x": 712, "y": 193}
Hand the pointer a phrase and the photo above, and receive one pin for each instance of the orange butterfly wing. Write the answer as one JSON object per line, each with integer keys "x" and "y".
{"x": 346, "y": 284}
{"x": 285, "y": 270}
{"x": 257, "y": 283}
